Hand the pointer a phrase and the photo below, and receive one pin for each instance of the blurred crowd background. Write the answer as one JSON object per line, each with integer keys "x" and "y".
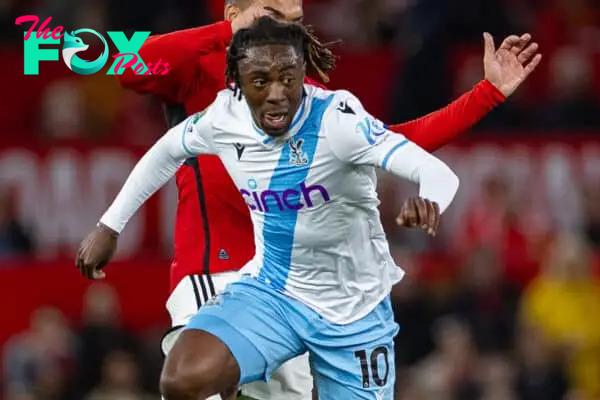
{"x": 502, "y": 305}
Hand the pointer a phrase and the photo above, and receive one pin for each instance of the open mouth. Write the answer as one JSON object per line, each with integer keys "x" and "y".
{"x": 275, "y": 120}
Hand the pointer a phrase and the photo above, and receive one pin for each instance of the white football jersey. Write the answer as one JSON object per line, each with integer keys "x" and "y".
{"x": 312, "y": 197}
{"x": 311, "y": 194}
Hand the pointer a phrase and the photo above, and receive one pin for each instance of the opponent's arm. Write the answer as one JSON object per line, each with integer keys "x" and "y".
{"x": 179, "y": 49}
{"x": 357, "y": 138}
{"x": 155, "y": 168}
{"x": 505, "y": 70}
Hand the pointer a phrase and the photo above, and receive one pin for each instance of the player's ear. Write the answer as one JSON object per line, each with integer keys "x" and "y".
{"x": 231, "y": 11}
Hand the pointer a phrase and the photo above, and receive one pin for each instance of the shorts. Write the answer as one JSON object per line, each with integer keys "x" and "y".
{"x": 264, "y": 328}
{"x": 293, "y": 381}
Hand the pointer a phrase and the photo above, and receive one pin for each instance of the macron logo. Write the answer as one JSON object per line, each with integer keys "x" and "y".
{"x": 345, "y": 108}
{"x": 240, "y": 150}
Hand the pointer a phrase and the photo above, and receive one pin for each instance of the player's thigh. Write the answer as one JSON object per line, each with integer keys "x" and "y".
{"x": 356, "y": 361}
{"x": 292, "y": 381}
{"x": 198, "y": 363}
{"x": 249, "y": 320}
{"x": 184, "y": 301}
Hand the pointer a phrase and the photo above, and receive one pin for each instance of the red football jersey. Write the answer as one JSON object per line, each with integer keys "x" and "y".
{"x": 213, "y": 231}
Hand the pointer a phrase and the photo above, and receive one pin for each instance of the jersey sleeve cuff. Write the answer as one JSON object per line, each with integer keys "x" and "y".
{"x": 492, "y": 95}
{"x": 112, "y": 225}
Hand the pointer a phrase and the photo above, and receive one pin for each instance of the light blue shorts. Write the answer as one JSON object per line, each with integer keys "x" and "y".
{"x": 264, "y": 328}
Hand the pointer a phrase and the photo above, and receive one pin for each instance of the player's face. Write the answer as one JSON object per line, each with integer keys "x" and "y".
{"x": 272, "y": 80}
{"x": 289, "y": 10}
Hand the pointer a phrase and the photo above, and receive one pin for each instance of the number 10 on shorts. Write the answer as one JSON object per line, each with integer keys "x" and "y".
{"x": 370, "y": 363}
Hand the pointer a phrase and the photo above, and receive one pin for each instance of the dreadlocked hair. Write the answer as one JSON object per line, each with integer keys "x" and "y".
{"x": 267, "y": 31}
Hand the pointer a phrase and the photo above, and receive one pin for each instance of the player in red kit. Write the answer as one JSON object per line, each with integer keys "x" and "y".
{"x": 213, "y": 232}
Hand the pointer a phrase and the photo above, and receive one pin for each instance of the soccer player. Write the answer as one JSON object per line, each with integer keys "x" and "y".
{"x": 322, "y": 272}
{"x": 213, "y": 233}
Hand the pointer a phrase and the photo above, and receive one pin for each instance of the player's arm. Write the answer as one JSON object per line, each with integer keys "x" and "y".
{"x": 358, "y": 138}
{"x": 180, "y": 49}
{"x": 505, "y": 70}
{"x": 188, "y": 139}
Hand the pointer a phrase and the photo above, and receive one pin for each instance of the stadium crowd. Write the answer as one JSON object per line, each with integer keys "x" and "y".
{"x": 499, "y": 307}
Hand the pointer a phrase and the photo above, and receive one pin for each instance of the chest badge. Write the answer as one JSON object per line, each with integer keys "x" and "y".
{"x": 297, "y": 155}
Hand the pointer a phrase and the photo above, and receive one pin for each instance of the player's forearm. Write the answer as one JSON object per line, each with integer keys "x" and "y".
{"x": 154, "y": 169}
{"x": 437, "y": 182}
{"x": 442, "y": 126}
{"x": 179, "y": 49}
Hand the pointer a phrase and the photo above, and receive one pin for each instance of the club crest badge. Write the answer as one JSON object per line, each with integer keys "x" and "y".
{"x": 297, "y": 155}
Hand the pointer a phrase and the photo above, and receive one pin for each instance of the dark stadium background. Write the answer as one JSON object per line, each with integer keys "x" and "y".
{"x": 504, "y": 304}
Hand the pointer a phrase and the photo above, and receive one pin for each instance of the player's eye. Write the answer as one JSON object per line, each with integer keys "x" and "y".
{"x": 259, "y": 83}
{"x": 288, "y": 80}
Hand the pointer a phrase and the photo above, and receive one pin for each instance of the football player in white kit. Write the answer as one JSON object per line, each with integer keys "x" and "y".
{"x": 304, "y": 160}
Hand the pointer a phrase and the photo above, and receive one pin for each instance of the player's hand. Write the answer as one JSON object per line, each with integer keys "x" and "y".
{"x": 420, "y": 213}
{"x": 96, "y": 250}
{"x": 247, "y": 17}
{"x": 508, "y": 66}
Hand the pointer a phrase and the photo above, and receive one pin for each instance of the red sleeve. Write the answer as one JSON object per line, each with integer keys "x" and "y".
{"x": 442, "y": 126}
{"x": 179, "y": 49}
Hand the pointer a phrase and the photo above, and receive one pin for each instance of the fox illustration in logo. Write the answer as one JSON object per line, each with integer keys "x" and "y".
{"x": 73, "y": 45}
